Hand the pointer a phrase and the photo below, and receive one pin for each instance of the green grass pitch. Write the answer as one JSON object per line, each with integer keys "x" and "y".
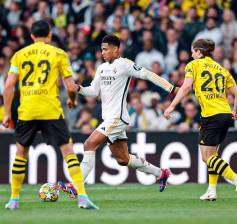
{"x": 128, "y": 203}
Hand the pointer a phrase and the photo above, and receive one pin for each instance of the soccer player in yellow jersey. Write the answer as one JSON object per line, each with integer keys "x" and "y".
{"x": 38, "y": 67}
{"x": 211, "y": 82}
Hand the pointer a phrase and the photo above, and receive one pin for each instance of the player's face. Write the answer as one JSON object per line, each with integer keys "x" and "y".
{"x": 196, "y": 54}
{"x": 109, "y": 52}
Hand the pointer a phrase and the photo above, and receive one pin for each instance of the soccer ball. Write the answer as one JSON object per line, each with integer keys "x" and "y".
{"x": 49, "y": 192}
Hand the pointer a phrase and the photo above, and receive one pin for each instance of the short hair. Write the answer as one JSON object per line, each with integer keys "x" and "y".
{"x": 206, "y": 46}
{"x": 40, "y": 28}
{"x": 2, "y": 56}
{"x": 111, "y": 40}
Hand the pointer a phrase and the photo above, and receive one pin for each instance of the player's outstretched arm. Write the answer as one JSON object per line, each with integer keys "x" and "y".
{"x": 183, "y": 91}
{"x": 8, "y": 97}
{"x": 94, "y": 88}
{"x": 142, "y": 73}
{"x": 159, "y": 81}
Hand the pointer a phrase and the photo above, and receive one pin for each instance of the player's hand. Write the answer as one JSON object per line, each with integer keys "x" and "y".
{"x": 6, "y": 121}
{"x": 71, "y": 104}
{"x": 234, "y": 115}
{"x": 168, "y": 111}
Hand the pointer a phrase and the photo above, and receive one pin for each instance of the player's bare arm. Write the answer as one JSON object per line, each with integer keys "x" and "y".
{"x": 72, "y": 88}
{"x": 8, "y": 97}
{"x": 233, "y": 91}
{"x": 183, "y": 91}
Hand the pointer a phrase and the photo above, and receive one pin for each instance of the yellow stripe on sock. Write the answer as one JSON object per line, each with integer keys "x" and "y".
{"x": 71, "y": 157}
{"x": 213, "y": 160}
{"x": 21, "y": 158}
{"x": 18, "y": 169}
{"x": 19, "y": 162}
{"x": 220, "y": 167}
{"x": 73, "y": 164}
{"x": 216, "y": 163}
{"x": 209, "y": 160}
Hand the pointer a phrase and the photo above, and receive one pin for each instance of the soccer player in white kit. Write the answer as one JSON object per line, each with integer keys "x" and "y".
{"x": 111, "y": 82}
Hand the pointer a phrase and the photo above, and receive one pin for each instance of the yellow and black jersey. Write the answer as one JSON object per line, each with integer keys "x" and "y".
{"x": 210, "y": 83}
{"x": 39, "y": 66}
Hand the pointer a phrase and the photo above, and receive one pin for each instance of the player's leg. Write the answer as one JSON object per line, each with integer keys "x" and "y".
{"x": 210, "y": 194}
{"x": 214, "y": 161}
{"x": 213, "y": 176}
{"x": 76, "y": 176}
{"x": 221, "y": 167}
{"x": 73, "y": 167}
{"x": 87, "y": 164}
{"x": 119, "y": 150}
{"x": 56, "y": 133}
{"x": 18, "y": 176}
{"x": 95, "y": 140}
{"x": 25, "y": 134}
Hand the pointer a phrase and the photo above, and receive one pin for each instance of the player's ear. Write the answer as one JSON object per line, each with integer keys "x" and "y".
{"x": 116, "y": 49}
{"x": 49, "y": 37}
{"x": 33, "y": 37}
{"x": 200, "y": 53}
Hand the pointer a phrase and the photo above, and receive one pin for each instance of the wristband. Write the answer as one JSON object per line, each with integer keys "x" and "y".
{"x": 78, "y": 89}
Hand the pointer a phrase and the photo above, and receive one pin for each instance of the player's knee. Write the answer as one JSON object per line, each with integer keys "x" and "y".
{"x": 22, "y": 151}
{"x": 89, "y": 145}
{"x": 204, "y": 159}
{"x": 122, "y": 161}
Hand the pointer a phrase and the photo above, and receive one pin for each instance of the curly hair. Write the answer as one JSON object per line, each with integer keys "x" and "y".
{"x": 205, "y": 46}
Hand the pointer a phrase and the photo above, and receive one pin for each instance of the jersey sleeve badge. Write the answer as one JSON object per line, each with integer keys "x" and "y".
{"x": 137, "y": 67}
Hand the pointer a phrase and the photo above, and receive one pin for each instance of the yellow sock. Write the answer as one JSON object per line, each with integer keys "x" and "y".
{"x": 213, "y": 177}
{"x": 18, "y": 175}
{"x": 221, "y": 167}
{"x": 229, "y": 174}
{"x": 75, "y": 173}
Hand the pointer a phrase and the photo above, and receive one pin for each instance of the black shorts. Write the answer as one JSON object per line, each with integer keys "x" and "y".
{"x": 55, "y": 132}
{"x": 214, "y": 129}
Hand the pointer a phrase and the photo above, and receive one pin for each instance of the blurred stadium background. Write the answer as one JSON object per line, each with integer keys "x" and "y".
{"x": 155, "y": 34}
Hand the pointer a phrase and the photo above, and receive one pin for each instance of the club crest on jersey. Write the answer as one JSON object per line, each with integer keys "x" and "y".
{"x": 102, "y": 128}
{"x": 137, "y": 67}
{"x": 188, "y": 70}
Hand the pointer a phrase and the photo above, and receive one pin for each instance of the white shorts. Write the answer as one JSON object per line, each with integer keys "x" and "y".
{"x": 114, "y": 129}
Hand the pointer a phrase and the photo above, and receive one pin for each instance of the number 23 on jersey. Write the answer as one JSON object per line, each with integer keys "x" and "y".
{"x": 43, "y": 68}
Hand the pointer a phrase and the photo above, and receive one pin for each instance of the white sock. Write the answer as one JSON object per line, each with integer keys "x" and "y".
{"x": 212, "y": 188}
{"x": 144, "y": 166}
{"x": 87, "y": 164}
{"x": 235, "y": 180}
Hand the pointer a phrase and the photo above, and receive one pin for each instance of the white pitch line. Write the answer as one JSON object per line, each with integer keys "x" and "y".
{"x": 89, "y": 187}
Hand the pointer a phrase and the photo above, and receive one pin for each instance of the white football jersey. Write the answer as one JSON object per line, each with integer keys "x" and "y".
{"x": 112, "y": 82}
